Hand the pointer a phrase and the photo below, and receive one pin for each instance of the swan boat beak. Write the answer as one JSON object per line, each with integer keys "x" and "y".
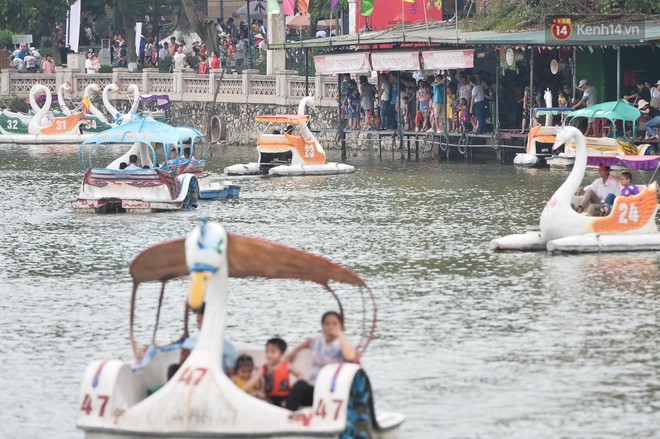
{"x": 199, "y": 281}
{"x": 557, "y": 144}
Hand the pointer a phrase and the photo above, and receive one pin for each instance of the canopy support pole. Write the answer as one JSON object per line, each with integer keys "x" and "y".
{"x": 531, "y": 84}
{"x": 574, "y": 74}
{"x": 496, "y": 119}
{"x": 249, "y": 35}
{"x": 399, "y": 113}
{"x": 341, "y": 136}
{"x": 307, "y": 71}
{"x": 618, "y": 72}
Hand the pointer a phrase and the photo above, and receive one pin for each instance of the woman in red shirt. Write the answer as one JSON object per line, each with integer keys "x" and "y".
{"x": 215, "y": 62}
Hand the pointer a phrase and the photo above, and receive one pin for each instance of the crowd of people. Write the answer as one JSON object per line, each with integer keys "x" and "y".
{"x": 466, "y": 100}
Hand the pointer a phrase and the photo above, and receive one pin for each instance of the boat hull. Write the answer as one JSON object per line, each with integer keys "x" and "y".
{"x": 118, "y": 400}
{"x": 44, "y": 139}
{"x": 325, "y": 169}
{"x": 145, "y": 191}
{"x": 530, "y": 241}
{"x": 524, "y": 159}
{"x": 594, "y": 243}
{"x": 243, "y": 169}
{"x": 213, "y": 188}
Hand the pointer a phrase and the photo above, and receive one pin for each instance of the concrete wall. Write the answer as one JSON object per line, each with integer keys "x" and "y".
{"x": 241, "y": 128}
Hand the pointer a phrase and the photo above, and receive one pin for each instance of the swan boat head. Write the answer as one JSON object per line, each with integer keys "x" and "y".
{"x": 37, "y": 122}
{"x": 307, "y": 101}
{"x": 114, "y": 113}
{"x": 630, "y": 215}
{"x": 61, "y": 90}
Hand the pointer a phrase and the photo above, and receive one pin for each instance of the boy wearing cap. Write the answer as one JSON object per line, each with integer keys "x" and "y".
{"x": 645, "y": 108}
{"x": 589, "y": 98}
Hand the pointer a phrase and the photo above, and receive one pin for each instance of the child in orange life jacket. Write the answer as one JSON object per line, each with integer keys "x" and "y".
{"x": 243, "y": 372}
{"x": 275, "y": 373}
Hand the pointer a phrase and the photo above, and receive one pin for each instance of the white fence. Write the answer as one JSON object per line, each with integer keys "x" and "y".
{"x": 283, "y": 88}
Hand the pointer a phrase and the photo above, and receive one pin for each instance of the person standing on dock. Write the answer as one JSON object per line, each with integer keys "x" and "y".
{"x": 589, "y": 98}
{"x": 394, "y": 96}
{"x": 385, "y": 95}
{"x": 438, "y": 100}
{"x": 477, "y": 105}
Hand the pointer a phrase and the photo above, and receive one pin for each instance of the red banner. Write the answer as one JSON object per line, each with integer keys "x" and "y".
{"x": 387, "y": 13}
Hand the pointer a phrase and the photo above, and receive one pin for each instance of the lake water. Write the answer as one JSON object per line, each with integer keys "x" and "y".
{"x": 469, "y": 343}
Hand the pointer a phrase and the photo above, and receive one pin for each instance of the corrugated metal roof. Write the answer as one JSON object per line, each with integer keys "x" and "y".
{"x": 444, "y": 33}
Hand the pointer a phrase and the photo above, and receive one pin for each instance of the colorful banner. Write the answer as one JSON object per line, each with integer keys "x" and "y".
{"x": 342, "y": 63}
{"x": 367, "y": 8}
{"x": 288, "y": 6}
{"x": 409, "y": 1}
{"x": 333, "y": 6}
{"x": 303, "y": 5}
{"x": 86, "y": 104}
{"x": 448, "y": 59}
{"x": 273, "y": 7}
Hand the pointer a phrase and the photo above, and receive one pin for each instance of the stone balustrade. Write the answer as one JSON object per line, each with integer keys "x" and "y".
{"x": 284, "y": 88}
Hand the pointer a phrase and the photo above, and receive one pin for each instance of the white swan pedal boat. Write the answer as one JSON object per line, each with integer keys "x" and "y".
{"x": 630, "y": 226}
{"x": 167, "y": 182}
{"x": 43, "y": 127}
{"x": 124, "y": 400}
{"x": 297, "y": 152}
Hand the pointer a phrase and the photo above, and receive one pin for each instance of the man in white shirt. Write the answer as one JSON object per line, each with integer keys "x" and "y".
{"x": 589, "y": 98}
{"x": 596, "y": 192}
{"x": 132, "y": 165}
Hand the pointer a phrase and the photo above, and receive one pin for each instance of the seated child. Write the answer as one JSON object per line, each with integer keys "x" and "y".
{"x": 275, "y": 373}
{"x": 627, "y": 190}
{"x": 243, "y": 373}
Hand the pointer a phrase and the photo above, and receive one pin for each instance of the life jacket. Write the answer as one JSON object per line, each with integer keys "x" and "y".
{"x": 276, "y": 381}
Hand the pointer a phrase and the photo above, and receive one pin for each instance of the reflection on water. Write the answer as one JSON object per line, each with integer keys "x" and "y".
{"x": 469, "y": 343}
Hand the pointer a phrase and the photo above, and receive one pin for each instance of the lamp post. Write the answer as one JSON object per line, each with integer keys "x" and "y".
{"x": 249, "y": 35}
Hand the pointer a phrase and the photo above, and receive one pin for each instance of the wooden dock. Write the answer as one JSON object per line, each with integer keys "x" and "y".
{"x": 413, "y": 145}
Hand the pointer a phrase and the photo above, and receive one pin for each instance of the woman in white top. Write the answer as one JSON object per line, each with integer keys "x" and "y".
{"x": 327, "y": 348}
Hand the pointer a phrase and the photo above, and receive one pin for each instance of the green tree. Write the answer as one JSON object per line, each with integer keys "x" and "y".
{"x": 36, "y": 17}
{"x": 320, "y": 9}
{"x": 506, "y": 15}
